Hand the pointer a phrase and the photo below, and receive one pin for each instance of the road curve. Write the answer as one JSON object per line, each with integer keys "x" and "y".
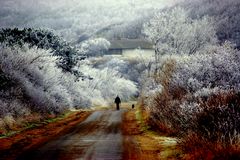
{"x": 99, "y": 137}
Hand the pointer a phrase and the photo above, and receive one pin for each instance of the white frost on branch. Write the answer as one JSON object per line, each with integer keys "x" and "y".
{"x": 173, "y": 32}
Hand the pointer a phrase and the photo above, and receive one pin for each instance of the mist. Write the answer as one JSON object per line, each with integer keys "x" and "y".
{"x": 74, "y": 18}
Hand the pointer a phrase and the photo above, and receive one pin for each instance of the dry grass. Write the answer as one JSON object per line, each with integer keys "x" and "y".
{"x": 10, "y": 125}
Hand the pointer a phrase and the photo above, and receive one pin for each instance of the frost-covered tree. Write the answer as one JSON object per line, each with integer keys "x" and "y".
{"x": 94, "y": 47}
{"x": 130, "y": 68}
{"x": 35, "y": 72}
{"x": 31, "y": 80}
{"x": 108, "y": 82}
{"x": 217, "y": 67}
{"x": 173, "y": 32}
{"x": 43, "y": 39}
{"x": 225, "y": 12}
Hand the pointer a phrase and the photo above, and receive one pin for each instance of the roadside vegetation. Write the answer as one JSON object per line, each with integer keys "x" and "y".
{"x": 41, "y": 74}
{"x": 193, "y": 90}
{"x": 21, "y": 124}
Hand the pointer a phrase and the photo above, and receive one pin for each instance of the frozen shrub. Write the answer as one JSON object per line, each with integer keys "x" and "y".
{"x": 35, "y": 83}
{"x": 172, "y": 114}
{"x": 2, "y": 126}
{"x": 39, "y": 80}
{"x": 107, "y": 83}
{"x": 13, "y": 107}
{"x": 207, "y": 92}
{"x": 132, "y": 69}
{"x": 188, "y": 79}
{"x": 215, "y": 130}
{"x": 218, "y": 68}
{"x": 94, "y": 47}
{"x": 117, "y": 64}
{"x": 9, "y": 122}
{"x": 220, "y": 117}
{"x": 44, "y": 39}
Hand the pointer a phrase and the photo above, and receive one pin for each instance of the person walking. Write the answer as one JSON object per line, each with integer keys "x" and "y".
{"x": 117, "y": 101}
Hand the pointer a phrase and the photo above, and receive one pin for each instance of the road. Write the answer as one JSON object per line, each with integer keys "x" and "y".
{"x": 99, "y": 137}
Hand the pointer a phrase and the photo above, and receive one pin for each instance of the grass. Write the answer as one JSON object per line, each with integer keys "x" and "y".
{"x": 141, "y": 120}
{"x": 9, "y": 134}
{"x": 167, "y": 144}
{"x": 35, "y": 124}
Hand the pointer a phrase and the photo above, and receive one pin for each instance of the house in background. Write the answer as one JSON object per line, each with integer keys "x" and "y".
{"x": 130, "y": 47}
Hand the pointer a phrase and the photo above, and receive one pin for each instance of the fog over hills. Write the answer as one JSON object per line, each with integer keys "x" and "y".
{"x": 74, "y": 18}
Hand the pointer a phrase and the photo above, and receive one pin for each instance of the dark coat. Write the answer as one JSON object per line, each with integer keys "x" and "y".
{"x": 117, "y": 100}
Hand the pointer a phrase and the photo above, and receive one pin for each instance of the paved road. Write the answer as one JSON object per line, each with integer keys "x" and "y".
{"x": 99, "y": 137}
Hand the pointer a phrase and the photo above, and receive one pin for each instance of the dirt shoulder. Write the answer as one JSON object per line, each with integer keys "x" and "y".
{"x": 34, "y": 137}
{"x": 141, "y": 143}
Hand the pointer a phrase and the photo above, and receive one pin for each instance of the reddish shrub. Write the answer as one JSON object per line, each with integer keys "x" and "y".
{"x": 220, "y": 117}
{"x": 197, "y": 147}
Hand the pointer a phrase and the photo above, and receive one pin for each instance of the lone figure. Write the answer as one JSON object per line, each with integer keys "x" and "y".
{"x": 117, "y": 101}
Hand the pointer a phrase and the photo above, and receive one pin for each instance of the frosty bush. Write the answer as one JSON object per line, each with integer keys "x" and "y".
{"x": 108, "y": 83}
{"x": 220, "y": 118}
{"x": 131, "y": 69}
{"x": 34, "y": 81}
{"x": 94, "y": 47}
{"x": 35, "y": 71}
{"x": 219, "y": 67}
{"x": 44, "y": 39}
{"x": 189, "y": 78}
